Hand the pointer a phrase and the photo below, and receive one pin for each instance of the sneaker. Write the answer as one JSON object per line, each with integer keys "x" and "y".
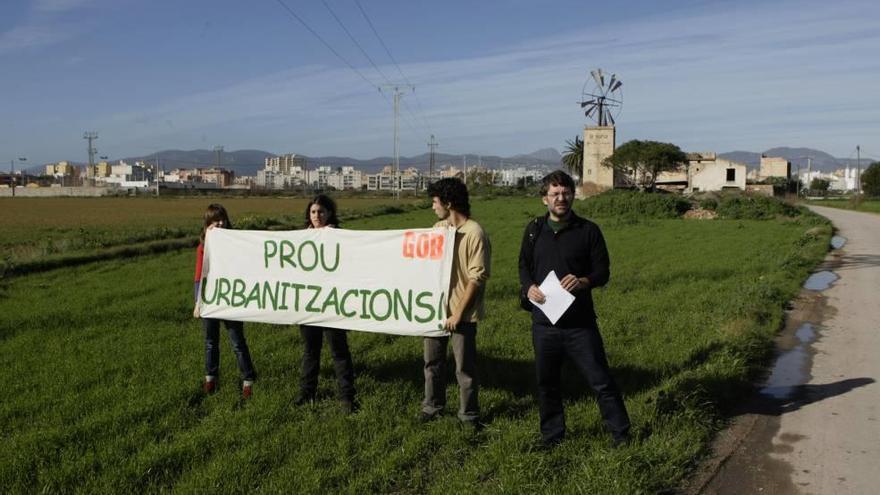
{"x": 247, "y": 390}
{"x": 209, "y": 386}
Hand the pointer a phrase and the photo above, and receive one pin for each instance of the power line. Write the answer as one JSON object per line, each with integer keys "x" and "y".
{"x": 351, "y": 37}
{"x": 394, "y": 61}
{"x": 339, "y": 56}
{"x": 316, "y": 35}
{"x": 366, "y": 55}
{"x": 363, "y": 51}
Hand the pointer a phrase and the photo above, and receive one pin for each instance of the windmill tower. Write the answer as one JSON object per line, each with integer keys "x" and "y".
{"x": 601, "y": 100}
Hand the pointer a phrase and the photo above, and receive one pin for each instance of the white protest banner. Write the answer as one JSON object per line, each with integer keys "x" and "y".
{"x": 391, "y": 281}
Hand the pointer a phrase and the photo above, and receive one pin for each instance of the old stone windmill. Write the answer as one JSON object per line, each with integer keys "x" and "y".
{"x": 601, "y": 101}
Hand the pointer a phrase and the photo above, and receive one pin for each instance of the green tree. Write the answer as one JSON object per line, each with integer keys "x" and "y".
{"x": 820, "y": 185}
{"x": 573, "y": 158}
{"x": 871, "y": 180}
{"x": 645, "y": 160}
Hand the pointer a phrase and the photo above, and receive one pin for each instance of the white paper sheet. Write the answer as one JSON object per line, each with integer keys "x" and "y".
{"x": 556, "y": 299}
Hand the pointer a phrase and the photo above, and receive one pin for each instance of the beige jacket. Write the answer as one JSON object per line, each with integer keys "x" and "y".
{"x": 471, "y": 261}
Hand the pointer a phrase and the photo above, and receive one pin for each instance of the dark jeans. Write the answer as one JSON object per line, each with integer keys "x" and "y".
{"x": 311, "y": 362}
{"x": 464, "y": 349}
{"x": 585, "y": 349}
{"x": 239, "y": 346}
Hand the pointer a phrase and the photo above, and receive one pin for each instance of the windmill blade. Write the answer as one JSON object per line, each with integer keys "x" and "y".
{"x": 616, "y": 85}
{"x": 612, "y": 81}
{"x": 589, "y": 104}
{"x": 596, "y": 75}
{"x": 588, "y": 112}
{"x": 611, "y": 118}
{"x": 601, "y": 78}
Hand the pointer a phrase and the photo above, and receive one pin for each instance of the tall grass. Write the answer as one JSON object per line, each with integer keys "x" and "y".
{"x": 101, "y": 366}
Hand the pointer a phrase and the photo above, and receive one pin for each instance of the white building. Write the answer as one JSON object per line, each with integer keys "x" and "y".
{"x": 717, "y": 176}
{"x": 512, "y": 177}
{"x": 408, "y": 180}
{"x": 128, "y": 176}
{"x": 281, "y": 172}
{"x": 346, "y": 178}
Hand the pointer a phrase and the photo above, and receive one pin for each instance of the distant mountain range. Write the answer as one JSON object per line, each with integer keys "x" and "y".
{"x": 247, "y": 162}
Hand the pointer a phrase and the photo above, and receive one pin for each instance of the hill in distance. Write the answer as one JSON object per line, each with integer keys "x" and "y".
{"x": 797, "y": 156}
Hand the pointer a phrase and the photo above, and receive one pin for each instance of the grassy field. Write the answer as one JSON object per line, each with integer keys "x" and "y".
{"x": 102, "y": 366}
{"x": 37, "y": 228}
{"x": 868, "y": 205}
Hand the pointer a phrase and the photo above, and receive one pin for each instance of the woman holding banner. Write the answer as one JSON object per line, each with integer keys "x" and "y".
{"x": 216, "y": 217}
{"x": 321, "y": 213}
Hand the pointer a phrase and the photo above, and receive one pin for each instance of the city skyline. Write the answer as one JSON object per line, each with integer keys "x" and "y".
{"x": 501, "y": 78}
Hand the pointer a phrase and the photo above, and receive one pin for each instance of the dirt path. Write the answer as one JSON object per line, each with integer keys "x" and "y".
{"x": 815, "y": 426}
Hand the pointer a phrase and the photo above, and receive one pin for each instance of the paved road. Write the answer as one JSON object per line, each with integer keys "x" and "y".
{"x": 815, "y": 428}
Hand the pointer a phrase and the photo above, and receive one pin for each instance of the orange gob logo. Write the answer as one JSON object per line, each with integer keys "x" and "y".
{"x": 423, "y": 246}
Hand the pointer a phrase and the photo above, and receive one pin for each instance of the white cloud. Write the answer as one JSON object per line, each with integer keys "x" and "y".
{"x": 731, "y": 78}
{"x": 34, "y": 35}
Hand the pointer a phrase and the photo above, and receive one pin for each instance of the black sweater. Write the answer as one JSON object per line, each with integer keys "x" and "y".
{"x": 579, "y": 249}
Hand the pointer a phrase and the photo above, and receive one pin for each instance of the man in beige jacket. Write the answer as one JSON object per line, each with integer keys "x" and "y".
{"x": 470, "y": 270}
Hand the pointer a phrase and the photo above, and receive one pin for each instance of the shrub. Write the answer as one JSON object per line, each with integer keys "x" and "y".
{"x": 637, "y": 205}
{"x": 754, "y": 207}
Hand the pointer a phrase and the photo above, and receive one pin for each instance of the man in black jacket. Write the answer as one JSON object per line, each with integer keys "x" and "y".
{"x": 574, "y": 248}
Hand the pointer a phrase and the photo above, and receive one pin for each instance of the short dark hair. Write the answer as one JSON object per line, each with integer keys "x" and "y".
{"x": 451, "y": 191}
{"x": 328, "y": 204}
{"x": 556, "y": 178}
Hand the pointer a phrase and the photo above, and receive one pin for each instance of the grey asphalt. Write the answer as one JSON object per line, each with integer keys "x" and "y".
{"x": 815, "y": 429}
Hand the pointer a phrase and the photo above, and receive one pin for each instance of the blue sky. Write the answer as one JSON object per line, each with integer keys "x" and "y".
{"x": 492, "y": 77}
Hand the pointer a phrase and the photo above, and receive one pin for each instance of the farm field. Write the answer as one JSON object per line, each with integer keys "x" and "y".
{"x": 34, "y": 228}
{"x": 102, "y": 366}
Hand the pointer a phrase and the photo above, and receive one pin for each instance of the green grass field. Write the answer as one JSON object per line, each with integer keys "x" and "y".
{"x": 37, "y": 229}
{"x": 101, "y": 365}
{"x": 867, "y": 205}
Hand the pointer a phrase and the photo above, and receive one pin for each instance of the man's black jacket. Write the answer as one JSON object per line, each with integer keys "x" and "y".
{"x": 579, "y": 249}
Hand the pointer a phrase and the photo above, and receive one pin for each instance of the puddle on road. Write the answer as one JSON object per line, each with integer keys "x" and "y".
{"x": 792, "y": 367}
{"x": 837, "y": 242}
{"x": 820, "y": 280}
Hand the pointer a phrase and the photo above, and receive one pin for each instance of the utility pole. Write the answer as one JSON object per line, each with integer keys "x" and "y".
{"x": 156, "y": 174}
{"x": 305, "y": 177}
{"x": 809, "y": 168}
{"x": 859, "y": 168}
{"x": 809, "y": 171}
{"x": 396, "y": 88}
{"x": 218, "y": 156}
{"x": 91, "y": 136}
{"x": 431, "y": 145}
{"x": 464, "y": 162}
